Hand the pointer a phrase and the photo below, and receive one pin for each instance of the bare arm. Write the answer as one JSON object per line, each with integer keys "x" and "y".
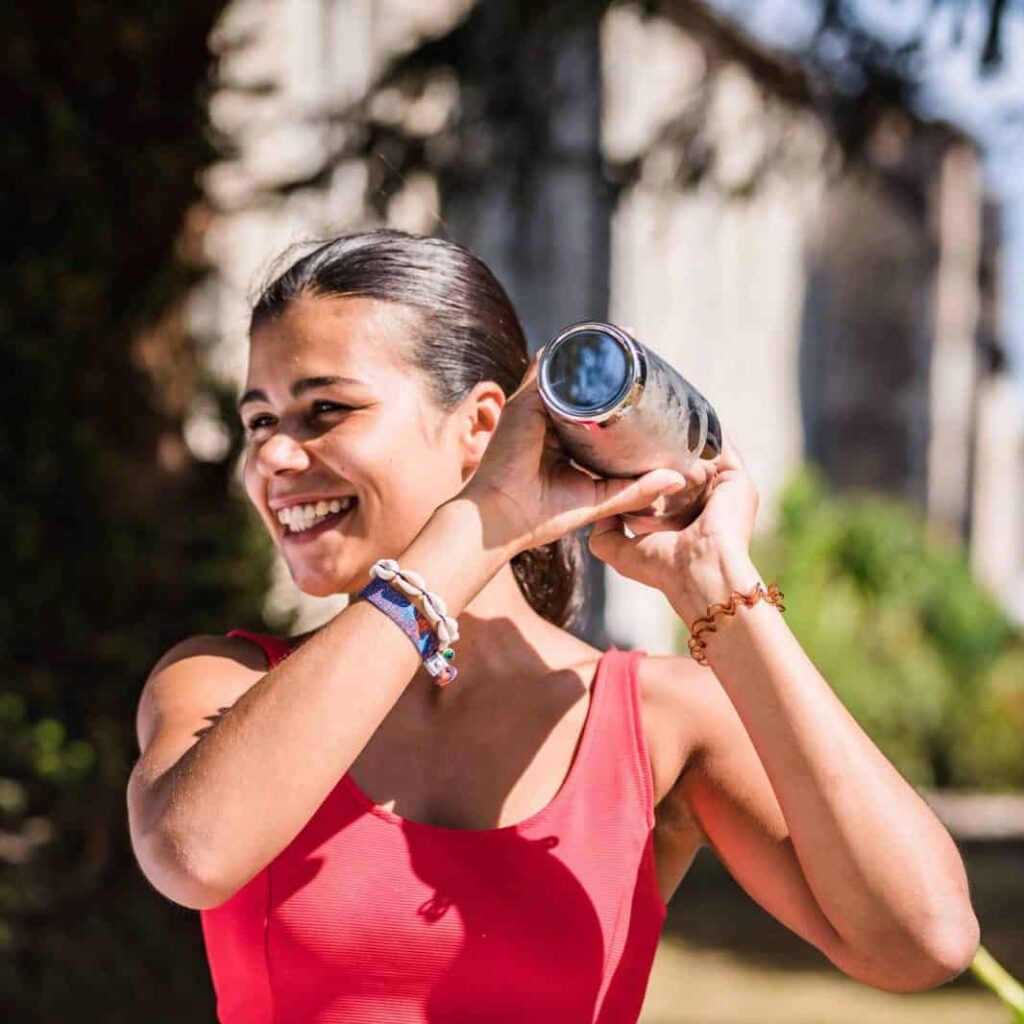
{"x": 883, "y": 889}
{"x": 207, "y": 815}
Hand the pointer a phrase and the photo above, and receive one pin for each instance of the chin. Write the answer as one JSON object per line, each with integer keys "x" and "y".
{"x": 330, "y": 584}
{"x": 318, "y": 588}
{"x": 325, "y": 585}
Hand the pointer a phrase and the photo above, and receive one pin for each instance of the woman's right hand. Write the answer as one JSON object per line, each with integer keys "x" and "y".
{"x": 533, "y": 494}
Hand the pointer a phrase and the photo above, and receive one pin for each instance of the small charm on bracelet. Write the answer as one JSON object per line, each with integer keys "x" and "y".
{"x": 440, "y": 667}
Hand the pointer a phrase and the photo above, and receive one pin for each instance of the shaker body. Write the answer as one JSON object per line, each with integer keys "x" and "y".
{"x": 621, "y": 410}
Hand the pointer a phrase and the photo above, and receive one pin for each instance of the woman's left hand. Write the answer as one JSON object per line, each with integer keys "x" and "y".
{"x": 687, "y": 562}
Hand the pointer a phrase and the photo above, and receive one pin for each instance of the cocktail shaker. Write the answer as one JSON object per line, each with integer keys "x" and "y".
{"x": 620, "y": 410}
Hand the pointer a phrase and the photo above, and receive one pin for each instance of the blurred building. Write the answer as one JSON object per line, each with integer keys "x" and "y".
{"x": 655, "y": 167}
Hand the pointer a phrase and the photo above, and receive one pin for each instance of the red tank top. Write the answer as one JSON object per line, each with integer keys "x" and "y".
{"x": 368, "y": 917}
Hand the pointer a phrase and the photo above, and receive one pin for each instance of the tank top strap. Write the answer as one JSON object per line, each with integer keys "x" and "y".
{"x": 619, "y": 741}
{"x": 274, "y": 647}
{"x": 615, "y": 717}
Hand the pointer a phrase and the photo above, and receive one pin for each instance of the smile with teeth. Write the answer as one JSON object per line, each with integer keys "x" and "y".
{"x": 298, "y": 518}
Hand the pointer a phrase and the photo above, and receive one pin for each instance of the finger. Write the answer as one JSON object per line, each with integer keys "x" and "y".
{"x": 617, "y": 496}
{"x": 584, "y": 470}
{"x": 606, "y": 524}
{"x": 608, "y": 540}
{"x": 529, "y": 417}
{"x": 699, "y": 472}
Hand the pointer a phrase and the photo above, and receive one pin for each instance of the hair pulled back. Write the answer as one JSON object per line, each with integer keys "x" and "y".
{"x": 468, "y": 331}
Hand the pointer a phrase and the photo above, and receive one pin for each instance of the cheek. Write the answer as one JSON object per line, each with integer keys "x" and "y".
{"x": 392, "y": 452}
{"x": 395, "y": 460}
{"x": 255, "y": 490}
{"x": 251, "y": 481}
{"x": 248, "y": 474}
{"x": 422, "y": 463}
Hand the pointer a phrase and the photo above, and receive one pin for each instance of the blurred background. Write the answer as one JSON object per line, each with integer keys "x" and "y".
{"x": 813, "y": 208}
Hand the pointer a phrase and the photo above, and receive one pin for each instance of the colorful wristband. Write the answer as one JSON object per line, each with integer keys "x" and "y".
{"x": 412, "y": 622}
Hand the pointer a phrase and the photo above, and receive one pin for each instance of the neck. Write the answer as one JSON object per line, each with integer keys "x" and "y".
{"x": 500, "y": 637}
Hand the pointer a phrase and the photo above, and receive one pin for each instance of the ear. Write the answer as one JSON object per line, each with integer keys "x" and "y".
{"x": 477, "y": 419}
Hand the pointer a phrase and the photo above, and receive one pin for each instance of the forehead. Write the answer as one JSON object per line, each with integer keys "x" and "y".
{"x": 354, "y": 336}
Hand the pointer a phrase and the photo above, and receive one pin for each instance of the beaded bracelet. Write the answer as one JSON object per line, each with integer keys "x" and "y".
{"x": 706, "y": 624}
{"x": 431, "y": 632}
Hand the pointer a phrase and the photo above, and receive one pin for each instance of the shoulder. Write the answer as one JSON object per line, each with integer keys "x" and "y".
{"x": 197, "y": 672}
{"x": 667, "y": 686}
{"x": 213, "y": 645}
{"x": 700, "y": 750}
{"x": 683, "y": 706}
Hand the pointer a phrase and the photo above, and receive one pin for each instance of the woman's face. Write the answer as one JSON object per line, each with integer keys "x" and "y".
{"x": 337, "y": 422}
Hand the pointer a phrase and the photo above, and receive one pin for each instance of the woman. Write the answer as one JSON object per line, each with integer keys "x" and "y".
{"x": 366, "y": 844}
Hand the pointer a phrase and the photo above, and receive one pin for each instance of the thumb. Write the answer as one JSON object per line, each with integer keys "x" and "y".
{"x": 607, "y": 539}
{"x": 616, "y": 496}
{"x": 525, "y": 409}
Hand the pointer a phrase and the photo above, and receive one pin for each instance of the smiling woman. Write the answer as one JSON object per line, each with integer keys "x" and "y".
{"x": 367, "y": 845}
{"x": 386, "y": 372}
{"x": 452, "y": 326}
{"x": 340, "y": 405}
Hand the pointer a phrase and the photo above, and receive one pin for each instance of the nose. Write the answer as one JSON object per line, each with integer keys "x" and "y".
{"x": 281, "y": 454}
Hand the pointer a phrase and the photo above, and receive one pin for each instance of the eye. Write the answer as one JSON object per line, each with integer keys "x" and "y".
{"x": 257, "y": 421}
{"x": 321, "y": 405}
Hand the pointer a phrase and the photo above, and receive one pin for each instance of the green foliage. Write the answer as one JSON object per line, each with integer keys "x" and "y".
{"x": 118, "y": 543}
{"x": 921, "y": 655}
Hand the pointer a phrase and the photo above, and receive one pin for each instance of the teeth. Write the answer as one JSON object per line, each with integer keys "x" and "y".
{"x": 301, "y": 517}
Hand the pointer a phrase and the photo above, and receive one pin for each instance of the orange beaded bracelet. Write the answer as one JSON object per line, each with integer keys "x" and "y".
{"x": 706, "y": 624}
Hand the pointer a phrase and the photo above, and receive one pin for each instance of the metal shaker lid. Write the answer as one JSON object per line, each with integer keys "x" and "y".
{"x": 589, "y": 371}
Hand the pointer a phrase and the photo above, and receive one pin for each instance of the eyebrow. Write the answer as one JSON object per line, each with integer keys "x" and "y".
{"x": 299, "y": 387}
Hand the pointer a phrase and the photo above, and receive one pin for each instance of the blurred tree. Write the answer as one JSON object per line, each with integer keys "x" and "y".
{"x": 859, "y": 40}
{"x": 119, "y": 542}
{"x": 857, "y": 68}
{"x": 923, "y": 658}
{"x": 878, "y": 55}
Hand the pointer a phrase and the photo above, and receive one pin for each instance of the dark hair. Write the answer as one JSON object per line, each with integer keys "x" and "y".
{"x": 468, "y": 331}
